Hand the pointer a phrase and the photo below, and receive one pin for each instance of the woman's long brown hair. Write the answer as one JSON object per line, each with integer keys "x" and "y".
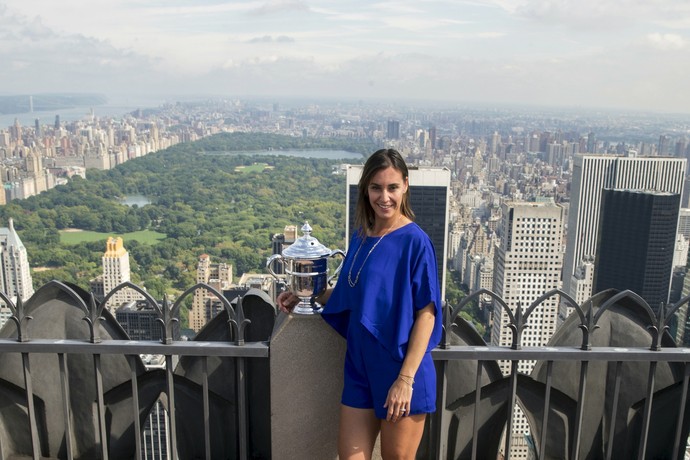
{"x": 381, "y": 159}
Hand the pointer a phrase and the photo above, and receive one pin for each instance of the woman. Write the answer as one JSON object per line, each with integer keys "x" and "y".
{"x": 387, "y": 304}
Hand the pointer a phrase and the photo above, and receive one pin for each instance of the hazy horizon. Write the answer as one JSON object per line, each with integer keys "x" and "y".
{"x": 623, "y": 55}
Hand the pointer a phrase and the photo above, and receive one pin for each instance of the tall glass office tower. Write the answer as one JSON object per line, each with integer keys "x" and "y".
{"x": 591, "y": 175}
{"x": 637, "y": 232}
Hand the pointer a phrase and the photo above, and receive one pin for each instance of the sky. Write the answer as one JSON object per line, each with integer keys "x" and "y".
{"x": 622, "y": 54}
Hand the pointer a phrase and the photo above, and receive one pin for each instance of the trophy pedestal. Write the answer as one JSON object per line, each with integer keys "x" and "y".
{"x": 308, "y": 307}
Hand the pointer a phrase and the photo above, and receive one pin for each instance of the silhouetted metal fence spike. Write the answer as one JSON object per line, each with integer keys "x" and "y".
{"x": 167, "y": 320}
{"x": 657, "y": 330}
{"x": 517, "y": 325}
{"x": 237, "y": 321}
{"x": 587, "y": 326}
{"x": 94, "y": 314}
{"x": 445, "y": 326}
{"x": 18, "y": 316}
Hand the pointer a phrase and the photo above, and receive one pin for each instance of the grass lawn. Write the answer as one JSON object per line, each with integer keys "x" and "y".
{"x": 256, "y": 167}
{"x": 143, "y": 236}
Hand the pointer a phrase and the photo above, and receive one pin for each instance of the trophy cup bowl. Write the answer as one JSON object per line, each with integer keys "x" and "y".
{"x": 305, "y": 263}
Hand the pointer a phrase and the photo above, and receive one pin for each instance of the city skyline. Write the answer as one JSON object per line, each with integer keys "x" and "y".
{"x": 575, "y": 54}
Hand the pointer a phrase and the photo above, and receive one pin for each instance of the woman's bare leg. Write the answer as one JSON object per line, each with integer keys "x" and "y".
{"x": 357, "y": 433}
{"x": 400, "y": 439}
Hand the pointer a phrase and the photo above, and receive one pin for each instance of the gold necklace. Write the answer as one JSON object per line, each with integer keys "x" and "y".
{"x": 354, "y": 259}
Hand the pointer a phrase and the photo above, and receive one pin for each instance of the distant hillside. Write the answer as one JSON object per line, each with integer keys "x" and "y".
{"x": 22, "y": 103}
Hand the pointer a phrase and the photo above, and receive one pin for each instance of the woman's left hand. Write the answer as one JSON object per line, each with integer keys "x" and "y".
{"x": 398, "y": 400}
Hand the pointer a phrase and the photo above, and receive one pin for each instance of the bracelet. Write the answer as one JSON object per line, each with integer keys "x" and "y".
{"x": 407, "y": 379}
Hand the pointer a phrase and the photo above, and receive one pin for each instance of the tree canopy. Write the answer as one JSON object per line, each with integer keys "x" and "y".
{"x": 203, "y": 202}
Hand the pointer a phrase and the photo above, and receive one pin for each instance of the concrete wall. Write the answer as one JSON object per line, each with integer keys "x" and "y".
{"x": 306, "y": 366}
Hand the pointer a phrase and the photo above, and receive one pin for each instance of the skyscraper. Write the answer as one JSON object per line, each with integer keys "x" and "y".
{"x": 664, "y": 146}
{"x": 139, "y": 320}
{"x": 16, "y": 279}
{"x": 591, "y": 143}
{"x": 429, "y": 199}
{"x": 527, "y": 263}
{"x": 393, "y": 129}
{"x": 281, "y": 241}
{"x": 637, "y": 233}
{"x": 432, "y": 136}
{"x": 684, "y": 223}
{"x": 115, "y": 272}
{"x": 205, "y": 305}
{"x": 593, "y": 173}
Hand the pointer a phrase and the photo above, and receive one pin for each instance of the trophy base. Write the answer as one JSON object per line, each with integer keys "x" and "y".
{"x": 308, "y": 308}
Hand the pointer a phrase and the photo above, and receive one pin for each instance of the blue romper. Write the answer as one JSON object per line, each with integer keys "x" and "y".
{"x": 376, "y": 316}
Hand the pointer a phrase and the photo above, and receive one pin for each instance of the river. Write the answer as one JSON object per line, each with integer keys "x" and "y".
{"x": 116, "y": 107}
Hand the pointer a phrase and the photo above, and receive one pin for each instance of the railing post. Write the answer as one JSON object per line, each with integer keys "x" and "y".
{"x": 135, "y": 406}
{"x": 547, "y": 401}
{"x": 477, "y": 400}
{"x": 242, "y": 408}
{"x": 647, "y": 411}
{"x": 64, "y": 385}
{"x": 170, "y": 379}
{"x": 511, "y": 406}
{"x": 35, "y": 444}
{"x": 579, "y": 412}
{"x": 101, "y": 406}
{"x": 238, "y": 324}
{"x": 438, "y": 422}
{"x": 681, "y": 411}
{"x": 614, "y": 409}
{"x": 207, "y": 410}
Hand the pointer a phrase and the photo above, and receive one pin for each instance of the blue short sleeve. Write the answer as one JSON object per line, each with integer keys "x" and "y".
{"x": 398, "y": 278}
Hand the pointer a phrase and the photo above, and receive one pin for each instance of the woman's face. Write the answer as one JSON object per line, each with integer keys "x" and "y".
{"x": 386, "y": 191}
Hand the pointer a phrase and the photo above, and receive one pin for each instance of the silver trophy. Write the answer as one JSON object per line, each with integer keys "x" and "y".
{"x": 306, "y": 265}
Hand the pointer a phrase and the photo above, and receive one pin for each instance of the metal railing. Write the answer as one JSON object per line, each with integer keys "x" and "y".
{"x": 649, "y": 348}
{"x": 466, "y": 424}
{"x": 99, "y": 348}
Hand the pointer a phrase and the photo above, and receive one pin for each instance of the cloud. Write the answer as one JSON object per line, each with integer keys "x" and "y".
{"x": 503, "y": 51}
{"x": 44, "y": 60}
{"x": 667, "y": 41}
{"x": 410, "y": 23}
{"x": 271, "y": 39}
{"x": 35, "y": 30}
{"x": 279, "y": 7}
{"x": 616, "y": 83}
{"x": 604, "y": 15}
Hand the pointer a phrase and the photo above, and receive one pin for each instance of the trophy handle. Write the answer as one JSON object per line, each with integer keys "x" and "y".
{"x": 269, "y": 263}
{"x": 336, "y": 252}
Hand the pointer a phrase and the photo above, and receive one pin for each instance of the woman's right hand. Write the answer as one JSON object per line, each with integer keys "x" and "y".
{"x": 287, "y": 301}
